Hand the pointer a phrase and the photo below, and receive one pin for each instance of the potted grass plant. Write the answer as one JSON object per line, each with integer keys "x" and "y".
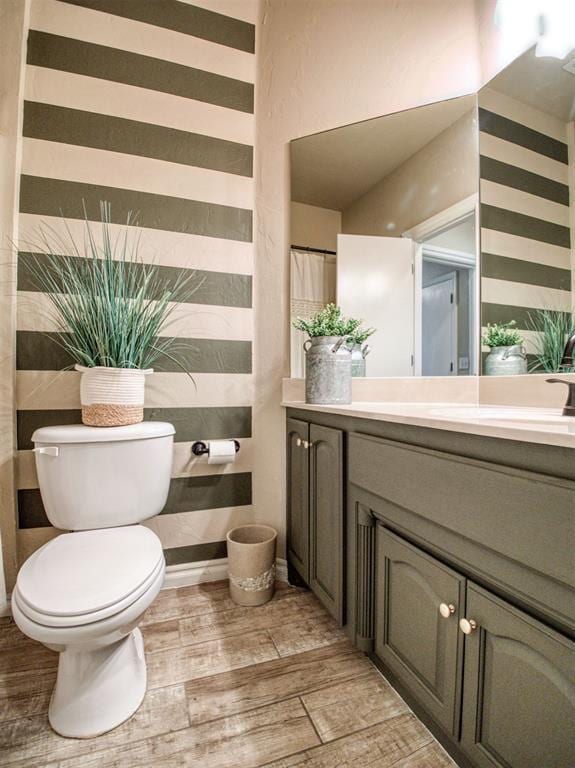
{"x": 109, "y": 308}
{"x": 506, "y": 351}
{"x": 551, "y": 331}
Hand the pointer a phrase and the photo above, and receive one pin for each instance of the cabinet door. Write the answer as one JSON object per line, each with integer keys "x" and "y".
{"x": 298, "y": 496}
{"x": 420, "y": 645}
{"x": 326, "y": 517}
{"x": 519, "y": 691}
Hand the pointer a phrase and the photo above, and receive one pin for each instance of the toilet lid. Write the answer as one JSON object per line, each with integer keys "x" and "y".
{"x": 88, "y": 571}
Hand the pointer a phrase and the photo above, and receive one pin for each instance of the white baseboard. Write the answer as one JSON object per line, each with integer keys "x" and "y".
{"x": 188, "y": 574}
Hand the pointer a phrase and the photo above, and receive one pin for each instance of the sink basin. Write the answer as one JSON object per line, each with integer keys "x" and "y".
{"x": 503, "y": 414}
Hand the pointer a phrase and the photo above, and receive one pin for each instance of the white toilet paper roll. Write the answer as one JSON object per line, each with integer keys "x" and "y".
{"x": 221, "y": 452}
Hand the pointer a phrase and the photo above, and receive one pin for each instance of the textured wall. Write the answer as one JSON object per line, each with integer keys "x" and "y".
{"x": 314, "y": 227}
{"x": 149, "y": 106}
{"x": 525, "y": 238}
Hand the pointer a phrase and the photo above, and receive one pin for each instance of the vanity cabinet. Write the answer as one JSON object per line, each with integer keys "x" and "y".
{"x": 455, "y": 564}
{"x": 315, "y": 510}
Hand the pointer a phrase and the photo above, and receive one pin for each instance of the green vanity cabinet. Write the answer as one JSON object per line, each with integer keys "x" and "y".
{"x": 419, "y": 601}
{"x": 315, "y": 510}
{"x": 519, "y": 688}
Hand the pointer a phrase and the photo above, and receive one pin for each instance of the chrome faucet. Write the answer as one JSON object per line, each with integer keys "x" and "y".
{"x": 567, "y": 361}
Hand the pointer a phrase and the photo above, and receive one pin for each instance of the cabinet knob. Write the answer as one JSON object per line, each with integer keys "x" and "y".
{"x": 298, "y": 442}
{"x": 446, "y": 610}
{"x": 467, "y": 626}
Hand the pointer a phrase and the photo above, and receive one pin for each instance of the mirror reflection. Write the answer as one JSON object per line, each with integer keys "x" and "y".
{"x": 387, "y": 216}
{"x": 383, "y": 222}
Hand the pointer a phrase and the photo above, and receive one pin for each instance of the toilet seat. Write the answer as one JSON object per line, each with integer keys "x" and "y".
{"x": 84, "y": 577}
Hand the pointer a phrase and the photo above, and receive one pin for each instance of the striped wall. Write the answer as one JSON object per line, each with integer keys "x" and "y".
{"x": 149, "y": 106}
{"x": 525, "y": 216}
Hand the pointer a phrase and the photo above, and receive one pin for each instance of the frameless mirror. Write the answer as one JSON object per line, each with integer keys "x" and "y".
{"x": 431, "y": 223}
{"x": 383, "y": 222}
{"x": 527, "y": 162}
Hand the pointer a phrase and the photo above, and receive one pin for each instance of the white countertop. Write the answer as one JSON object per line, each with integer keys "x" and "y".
{"x": 546, "y": 426}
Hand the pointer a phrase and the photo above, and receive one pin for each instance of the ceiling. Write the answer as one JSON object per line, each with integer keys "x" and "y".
{"x": 334, "y": 168}
{"x": 540, "y": 82}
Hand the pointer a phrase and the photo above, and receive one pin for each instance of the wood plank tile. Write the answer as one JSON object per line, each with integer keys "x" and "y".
{"x": 300, "y": 636}
{"x": 161, "y": 635}
{"x": 242, "y": 741}
{"x": 25, "y": 694}
{"x": 200, "y": 599}
{"x": 238, "y": 620}
{"x": 230, "y": 693}
{"x": 431, "y": 756}
{"x": 379, "y": 746}
{"x": 178, "y": 665}
{"x": 30, "y": 741}
{"x": 26, "y": 655}
{"x": 353, "y": 705}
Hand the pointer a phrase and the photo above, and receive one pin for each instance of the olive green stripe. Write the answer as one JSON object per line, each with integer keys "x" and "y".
{"x": 68, "y": 55}
{"x": 518, "y": 271}
{"x": 116, "y": 134}
{"x": 502, "y": 220}
{"x": 509, "y": 130}
{"x": 57, "y": 197}
{"x": 186, "y": 494}
{"x": 519, "y": 178}
{"x": 194, "y": 553}
{"x": 180, "y": 17}
{"x": 222, "y": 289}
{"x": 504, "y": 313}
{"x": 194, "y": 494}
{"x": 37, "y": 351}
{"x": 206, "y": 423}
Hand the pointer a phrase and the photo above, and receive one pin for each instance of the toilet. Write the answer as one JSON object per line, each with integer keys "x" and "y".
{"x": 84, "y": 593}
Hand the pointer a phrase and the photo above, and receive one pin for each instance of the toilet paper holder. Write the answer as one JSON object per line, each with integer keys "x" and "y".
{"x": 199, "y": 448}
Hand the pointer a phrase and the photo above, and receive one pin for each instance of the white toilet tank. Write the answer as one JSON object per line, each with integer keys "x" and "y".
{"x": 100, "y": 477}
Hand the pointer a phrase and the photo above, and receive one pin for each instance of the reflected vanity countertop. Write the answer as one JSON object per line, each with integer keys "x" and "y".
{"x": 546, "y": 426}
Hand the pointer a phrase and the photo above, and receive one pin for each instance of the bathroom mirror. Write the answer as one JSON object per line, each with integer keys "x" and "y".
{"x": 527, "y": 162}
{"x": 433, "y": 222}
{"x": 384, "y": 223}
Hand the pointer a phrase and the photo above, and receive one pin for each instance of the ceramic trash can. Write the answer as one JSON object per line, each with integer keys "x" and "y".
{"x": 252, "y": 564}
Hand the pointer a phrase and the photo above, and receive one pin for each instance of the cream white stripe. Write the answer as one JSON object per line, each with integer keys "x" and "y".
{"x": 522, "y": 202}
{"x": 522, "y": 113}
{"x": 173, "y": 249}
{"x": 61, "y": 389}
{"x": 65, "y": 89}
{"x": 185, "y": 464}
{"x": 186, "y": 528}
{"x": 114, "y": 169}
{"x": 137, "y": 37}
{"x": 513, "y": 154}
{"x": 34, "y": 312}
{"x": 523, "y": 295}
{"x": 246, "y": 10}
{"x": 514, "y": 247}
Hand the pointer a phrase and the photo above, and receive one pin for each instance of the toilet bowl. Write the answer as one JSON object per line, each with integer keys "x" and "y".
{"x": 94, "y": 588}
{"x": 83, "y": 593}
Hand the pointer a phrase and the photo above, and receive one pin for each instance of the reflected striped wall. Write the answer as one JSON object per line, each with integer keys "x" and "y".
{"x": 147, "y": 105}
{"x": 525, "y": 215}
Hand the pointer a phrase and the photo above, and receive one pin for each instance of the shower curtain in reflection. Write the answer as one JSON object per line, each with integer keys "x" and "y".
{"x": 312, "y": 287}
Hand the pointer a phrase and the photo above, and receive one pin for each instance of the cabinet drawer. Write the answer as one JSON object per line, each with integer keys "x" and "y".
{"x": 519, "y": 689}
{"x": 420, "y": 645}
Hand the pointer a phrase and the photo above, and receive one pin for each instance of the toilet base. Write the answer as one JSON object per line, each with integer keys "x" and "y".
{"x": 97, "y": 690}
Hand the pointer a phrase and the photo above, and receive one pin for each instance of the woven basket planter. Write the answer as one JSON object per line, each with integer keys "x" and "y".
{"x": 112, "y": 397}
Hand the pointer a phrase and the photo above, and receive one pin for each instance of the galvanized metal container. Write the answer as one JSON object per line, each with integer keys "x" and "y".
{"x": 358, "y": 355}
{"x": 327, "y": 370}
{"x": 506, "y": 361}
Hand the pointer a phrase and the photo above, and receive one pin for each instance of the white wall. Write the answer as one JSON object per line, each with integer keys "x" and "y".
{"x": 322, "y": 65}
{"x": 314, "y": 227}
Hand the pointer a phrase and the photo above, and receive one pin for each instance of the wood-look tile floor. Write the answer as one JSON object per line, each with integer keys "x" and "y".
{"x": 228, "y": 687}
